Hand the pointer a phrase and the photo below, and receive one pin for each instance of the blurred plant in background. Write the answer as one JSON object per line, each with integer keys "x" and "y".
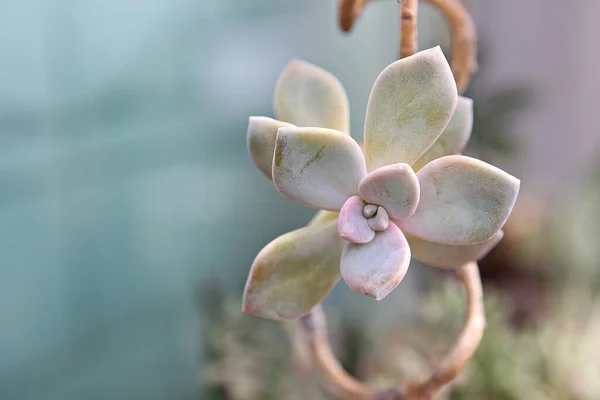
{"x": 553, "y": 356}
{"x": 494, "y": 114}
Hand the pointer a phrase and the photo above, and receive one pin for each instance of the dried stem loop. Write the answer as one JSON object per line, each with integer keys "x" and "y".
{"x": 346, "y": 386}
{"x": 464, "y": 36}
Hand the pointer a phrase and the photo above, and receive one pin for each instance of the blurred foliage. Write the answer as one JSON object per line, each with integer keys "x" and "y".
{"x": 543, "y": 317}
{"x": 495, "y": 109}
{"x": 573, "y": 241}
{"x": 246, "y": 359}
{"x": 553, "y": 359}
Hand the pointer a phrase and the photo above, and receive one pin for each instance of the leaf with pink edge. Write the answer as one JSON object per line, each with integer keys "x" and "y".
{"x": 320, "y": 168}
{"x": 376, "y": 268}
{"x": 450, "y": 255}
{"x": 307, "y": 95}
{"x": 463, "y": 201}
{"x": 294, "y": 272}
{"x": 410, "y": 105}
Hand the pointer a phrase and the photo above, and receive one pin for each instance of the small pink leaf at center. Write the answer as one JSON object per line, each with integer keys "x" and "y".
{"x": 352, "y": 225}
{"x": 376, "y": 268}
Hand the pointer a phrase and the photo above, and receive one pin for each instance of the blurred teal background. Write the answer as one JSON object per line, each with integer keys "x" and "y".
{"x": 125, "y": 186}
{"x": 124, "y": 179}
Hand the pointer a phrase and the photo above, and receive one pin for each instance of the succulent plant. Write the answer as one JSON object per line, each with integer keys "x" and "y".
{"x": 404, "y": 193}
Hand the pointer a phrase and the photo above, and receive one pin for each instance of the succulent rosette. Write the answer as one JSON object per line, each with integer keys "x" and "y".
{"x": 405, "y": 193}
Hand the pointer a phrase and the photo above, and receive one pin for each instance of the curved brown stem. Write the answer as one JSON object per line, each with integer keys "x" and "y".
{"x": 464, "y": 35}
{"x": 464, "y": 40}
{"x": 467, "y": 342}
{"x": 349, "y": 11}
{"x": 340, "y": 382}
{"x": 408, "y": 28}
{"x": 346, "y": 386}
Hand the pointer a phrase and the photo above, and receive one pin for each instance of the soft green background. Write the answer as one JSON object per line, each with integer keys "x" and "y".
{"x": 125, "y": 187}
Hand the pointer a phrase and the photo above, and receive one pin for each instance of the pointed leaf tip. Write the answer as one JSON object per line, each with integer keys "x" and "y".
{"x": 261, "y": 135}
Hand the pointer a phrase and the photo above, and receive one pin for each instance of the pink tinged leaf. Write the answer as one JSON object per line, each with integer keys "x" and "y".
{"x": 410, "y": 104}
{"x": 317, "y": 167}
{"x": 307, "y": 95}
{"x": 352, "y": 225}
{"x": 395, "y": 187}
{"x": 463, "y": 201}
{"x": 294, "y": 272}
{"x": 450, "y": 255}
{"x": 261, "y": 135}
{"x": 455, "y": 137}
{"x": 376, "y": 268}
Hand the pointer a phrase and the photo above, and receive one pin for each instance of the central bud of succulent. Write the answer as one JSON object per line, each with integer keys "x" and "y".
{"x": 359, "y": 221}
{"x": 377, "y": 218}
{"x": 388, "y": 194}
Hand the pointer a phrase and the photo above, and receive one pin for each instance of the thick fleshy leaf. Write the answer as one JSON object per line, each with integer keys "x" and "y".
{"x": 410, "y": 105}
{"x": 463, "y": 201}
{"x": 294, "y": 272}
{"x": 395, "y": 187}
{"x": 455, "y": 137}
{"x": 320, "y": 168}
{"x": 352, "y": 224}
{"x": 261, "y": 135}
{"x": 307, "y": 95}
{"x": 376, "y": 268}
{"x": 450, "y": 255}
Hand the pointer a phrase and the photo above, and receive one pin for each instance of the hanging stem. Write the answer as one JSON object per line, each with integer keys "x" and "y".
{"x": 464, "y": 41}
{"x": 464, "y": 35}
{"x": 467, "y": 342}
{"x": 408, "y": 28}
{"x": 346, "y": 386}
{"x": 349, "y": 11}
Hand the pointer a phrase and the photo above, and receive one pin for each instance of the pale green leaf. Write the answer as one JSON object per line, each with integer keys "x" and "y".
{"x": 450, "y": 255}
{"x": 463, "y": 201}
{"x": 323, "y": 216}
{"x": 320, "y": 168}
{"x": 261, "y": 135}
{"x": 410, "y": 105}
{"x": 455, "y": 137}
{"x": 294, "y": 272}
{"x": 307, "y": 95}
